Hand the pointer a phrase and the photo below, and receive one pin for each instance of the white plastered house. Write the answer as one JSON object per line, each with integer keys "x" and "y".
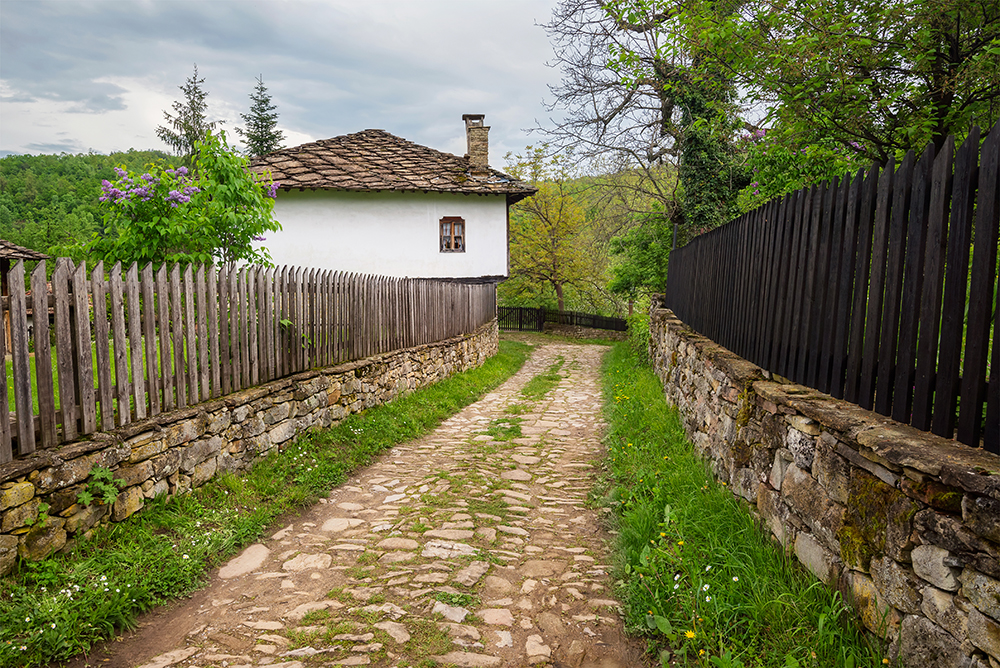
{"x": 374, "y": 203}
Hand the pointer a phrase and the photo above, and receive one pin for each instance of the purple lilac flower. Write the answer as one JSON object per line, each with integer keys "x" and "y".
{"x": 182, "y": 171}
{"x": 121, "y": 172}
{"x": 260, "y": 238}
{"x": 190, "y": 190}
{"x": 272, "y": 190}
{"x": 175, "y": 197}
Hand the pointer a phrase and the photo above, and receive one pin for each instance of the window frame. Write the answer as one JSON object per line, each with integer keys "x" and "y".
{"x": 447, "y": 241}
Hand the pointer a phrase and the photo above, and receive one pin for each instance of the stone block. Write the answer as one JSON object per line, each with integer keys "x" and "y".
{"x": 198, "y": 452}
{"x": 283, "y": 431}
{"x": 931, "y": 563}
{"x": 219, "y": 421}
{"x": 874, "y": 613}
{"x": 982, "y": 591}
{"x": 135, "y": 475}
{"x": 897, "y": 584}
{"x": 981, "y": 515}
{"x": 775, "y": 514}
{"x": 933, "y": 493}
{"x": 923, "y": 643}
{"x": 803, "y": 448}
{"x": 803, "y": 424}
{"x": 129, "y": 501}
{"x": 43, "y": 539}
{"x": 85, "y": 518}
{"x": 77, "y": 470}
{"x": 808, "y": 500}
{"x": 19, "y": 516}
{"x": 745, "y": 483}
{"x": 984, "y": 633}
{"x": 15, "y": 494}
{"x": 831, "y": 470}
{"x": 182, "y": 432}
{"x": 939, "y": 607}
{"x": 203, "y": 472}
{"x": 166, "y": 464}
{"x": 159, "y": 488}
{"x": 252, "y": 426}
{"x": 145, "y": 445}
{"x": 8, "y": 554}
{"x": 782, "y": 458}
{"x": 240, "y": 413}
{"x": 277, "y": 413}
{"x": 822, "y": 563}
{"x": 872, "y": 514}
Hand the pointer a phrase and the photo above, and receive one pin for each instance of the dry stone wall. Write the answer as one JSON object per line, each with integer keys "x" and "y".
{"x": 40, "y": 512}
{"x": 904, "y": 523}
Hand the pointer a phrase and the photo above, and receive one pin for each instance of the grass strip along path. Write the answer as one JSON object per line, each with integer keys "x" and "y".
{"x": 57, "y": 608}
{"x": 697, "y": 574}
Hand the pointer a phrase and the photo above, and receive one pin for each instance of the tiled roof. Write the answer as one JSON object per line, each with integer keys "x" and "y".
{"x": 377, "y": 160}
{"x": 9, "y": 251}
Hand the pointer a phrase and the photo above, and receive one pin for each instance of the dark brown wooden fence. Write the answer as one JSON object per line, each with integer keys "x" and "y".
{"x": 533, "y": 319}
{"x": 880, "y": 289}
{"x": 135, "y": 344}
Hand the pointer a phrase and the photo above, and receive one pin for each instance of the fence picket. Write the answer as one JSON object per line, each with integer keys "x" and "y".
{"x": 190, "y": 336}
{"x": 122, "y": 389}
{"x": 43, "y": 357}
{"x": 213, "y": 331}
{"x": 981, "y": 282}
{"x": 6, "y": 451}
{"x": 201, "y": 311}
{"x": 154, "y": 383}
{"x": 166, "y": 359}
{"x": 19, "y": 354}
{"x": 135, "y": 341}
{"x": 225, "y": 354}
{"x": 177, "y": 329}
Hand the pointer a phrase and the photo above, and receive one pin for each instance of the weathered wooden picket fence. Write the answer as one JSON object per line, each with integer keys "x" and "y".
{"x": 136, "y": 343}
{"x": 878, "y": 288}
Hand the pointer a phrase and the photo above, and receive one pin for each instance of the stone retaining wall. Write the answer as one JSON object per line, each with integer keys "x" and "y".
{"x": 906, "y": 524}
{"x": 177, "y": 451}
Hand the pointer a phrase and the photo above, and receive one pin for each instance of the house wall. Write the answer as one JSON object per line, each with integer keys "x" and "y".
{"x": 180, "y": 450}
{"x": 904, "y": 523}
{"x": 389, "y": 233}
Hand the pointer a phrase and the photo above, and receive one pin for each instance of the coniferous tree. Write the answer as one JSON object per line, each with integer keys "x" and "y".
{"x": 261, "y": 133}
{"x": 188, "y": 124}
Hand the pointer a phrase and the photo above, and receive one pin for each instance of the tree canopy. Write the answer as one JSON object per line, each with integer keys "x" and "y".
{"x": 261, "y": 133}
{"x": 188, "y": 125}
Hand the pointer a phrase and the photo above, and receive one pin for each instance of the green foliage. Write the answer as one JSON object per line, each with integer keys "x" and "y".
{"x": 888, "y": 76}
{"x": 187, "y": 125}
{"x": 261, "y": 133}
{"x": 551, "y": 239}
{"x": 780, "y": 166}
{"x": 642, "y": 255}
{"x": 55, "y": 609}
{"x": 102, "y": 486}
{"x": 213, "y": 213}
{"x": 698, "y": 576}
{"x": 51, "y": 201}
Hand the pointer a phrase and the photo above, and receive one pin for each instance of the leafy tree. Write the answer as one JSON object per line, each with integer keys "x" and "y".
{"x": 642, "y": 253}
{"x": 261, "y": 134}
{"x": 551, "y": 241}
{"x": 878, "y": 77}
{"x": 637, "y": 87}
{"x": 214, "y": 212}
{"x": 187, "y": 125}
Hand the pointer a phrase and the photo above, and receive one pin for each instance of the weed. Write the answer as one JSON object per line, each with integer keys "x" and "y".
{"x": 102, "y": 486}
{"x": 459, "y": 600}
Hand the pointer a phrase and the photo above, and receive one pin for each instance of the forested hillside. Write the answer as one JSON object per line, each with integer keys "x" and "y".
{"x": 47, "y": 201}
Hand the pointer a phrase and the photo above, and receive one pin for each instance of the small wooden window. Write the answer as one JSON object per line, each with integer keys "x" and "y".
{"x": 452, "y": 234}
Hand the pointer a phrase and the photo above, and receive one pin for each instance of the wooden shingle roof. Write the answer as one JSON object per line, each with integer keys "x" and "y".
{"x": 9, "y": 251}
{"x": 377, "y": 160}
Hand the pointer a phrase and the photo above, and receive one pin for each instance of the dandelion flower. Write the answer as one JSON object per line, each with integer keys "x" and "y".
{"x": 680, "y": 542}
{"x": 689, "y": 634}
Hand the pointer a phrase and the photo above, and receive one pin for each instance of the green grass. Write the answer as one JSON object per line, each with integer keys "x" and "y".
{"x": 543, "y": 383}
{"x": 58, "y": 607}
{"x": 698, "y": 575}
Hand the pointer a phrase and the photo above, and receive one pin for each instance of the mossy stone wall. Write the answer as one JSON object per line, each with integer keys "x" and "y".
{"x": 172, "y": 453}
{"x": 904, "y": 523}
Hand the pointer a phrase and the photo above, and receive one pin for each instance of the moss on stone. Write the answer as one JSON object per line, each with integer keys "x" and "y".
{"x": 745, "y": 400}
{"x": 872, "y": 509}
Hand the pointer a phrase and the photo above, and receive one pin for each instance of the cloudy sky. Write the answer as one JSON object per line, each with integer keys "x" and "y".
{"x": 80, "y": 76}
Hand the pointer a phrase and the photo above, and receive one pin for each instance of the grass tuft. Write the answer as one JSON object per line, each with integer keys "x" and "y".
{"x": 698, "y": 576}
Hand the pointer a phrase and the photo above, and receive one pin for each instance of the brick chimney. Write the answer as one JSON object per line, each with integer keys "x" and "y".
{"x": 478, "y": 136}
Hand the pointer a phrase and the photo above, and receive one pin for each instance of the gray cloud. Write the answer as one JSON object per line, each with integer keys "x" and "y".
{"x": 332, "y": 67}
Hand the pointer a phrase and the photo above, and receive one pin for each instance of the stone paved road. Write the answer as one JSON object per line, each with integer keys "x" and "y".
{"x": 473, "y": 546}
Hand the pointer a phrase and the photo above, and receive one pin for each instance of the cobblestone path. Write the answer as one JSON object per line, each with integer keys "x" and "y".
{"x": 472, "y": 546}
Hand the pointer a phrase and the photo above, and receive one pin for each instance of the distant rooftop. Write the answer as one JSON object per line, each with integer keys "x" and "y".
{"x": 377, "y": 160}
{"x": 9, "y": 251}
